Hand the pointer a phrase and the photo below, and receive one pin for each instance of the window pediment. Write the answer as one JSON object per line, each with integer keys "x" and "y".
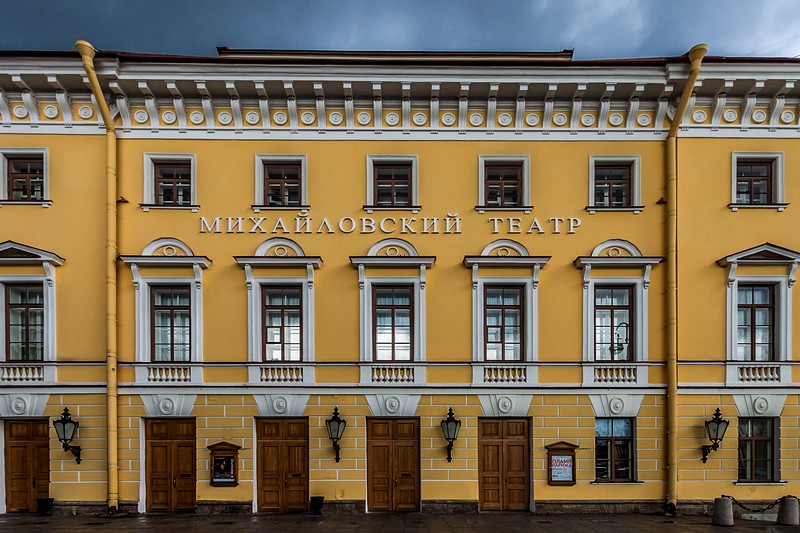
{"x": 279, "y": 252}
{"x": 14, "y": 253}
{"x": 505, "y": 253}
{"x": 167, "y": 252}
{"x": 766, "y": 254}
{"x": 393, "y": 253}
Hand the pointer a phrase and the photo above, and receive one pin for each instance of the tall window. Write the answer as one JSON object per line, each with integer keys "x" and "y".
{"x": 503, "y": 323}
{"x": 392, "y": 182}
{"x": 754, "y": 182}
{"x": 393, "y": 319}
{"x": 282, "y": 183}
{"x": 283, "y": 324}
{"x": 757, "y": 459}
{"x": 613, "y": 323}
{"x": 173, "y": 183}
{"x": 755, "y": 323}
{"x": 26, "y": 178}
{"x": 25, "y": 323}
{"x": 503, "y": 185}
{"x": 612, "y": 185}
{"x": 171, "y": 323}
{"x": 614, "y": 449}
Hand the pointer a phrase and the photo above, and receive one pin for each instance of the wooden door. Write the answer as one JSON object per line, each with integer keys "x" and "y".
{"x": 27, "y": 454}
{"x": 393, "y": 464}
{"x": 171, "y": 464}
{"x": 282, "y": 464}
{"x": 504, "y": 464}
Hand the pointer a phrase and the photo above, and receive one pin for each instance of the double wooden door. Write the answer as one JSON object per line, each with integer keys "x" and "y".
{"x": 282, "y": 464}
{"x": 171, "y": 464}
{"x": 393, "y": 464}
{"x": 504, "y": 464}
{"x": 27, "y": 453}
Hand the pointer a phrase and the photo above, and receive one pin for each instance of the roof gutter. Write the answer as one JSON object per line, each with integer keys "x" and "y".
{"x": 87, "y": 52}
{"x": 696, "y": 55}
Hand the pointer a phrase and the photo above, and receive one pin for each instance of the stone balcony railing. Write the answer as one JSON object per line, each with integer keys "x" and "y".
{"x": 505, "y": 374}
{"x": 753, "y": 374}
{"x": 392, "y": 373}
{"x": 281, "y": 373}
{"x": 614, "y": 374}
{"x": 169, "y": 373}
{"x": 26, "y": 373}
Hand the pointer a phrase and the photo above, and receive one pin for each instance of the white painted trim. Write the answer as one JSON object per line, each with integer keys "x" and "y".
{"x": 783, "y": 320}
{"x": 3, "y": 468}
{"x": 4, "y": 155}
{"x": 151, "y": 248}
{"x": 265, "y": 246}
{"x": 365, "y": 313}
{"x": 397, "y": 243}
{"x": 372, "y": 159}
{"x": 640, "y": 314}
{"x": 525, "y": 193}
{"x": 778, "y": 183}
{"x": 142, "y": 286}
{"x": 142, "y": 506}
{"x": 260, "y": 159}
{"x": 49, "y": 295}
{"x": 255, "y": 467}
{"x": 148, "y": 179}
{"x": 636, "y": 177}
{"x": 530, "y": 321}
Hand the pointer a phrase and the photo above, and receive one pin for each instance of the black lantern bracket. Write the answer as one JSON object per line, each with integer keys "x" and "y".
{"x": 450, "y": 427}
{"x": 335, "y": 427}
{"x": 65, "y": 429}
{"x": 715, "y": 431}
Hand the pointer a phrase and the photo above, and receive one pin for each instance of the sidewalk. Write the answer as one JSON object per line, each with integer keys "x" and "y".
{"x": 384, "y": 523}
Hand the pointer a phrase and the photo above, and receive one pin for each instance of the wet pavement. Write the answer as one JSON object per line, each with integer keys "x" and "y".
{"x": 384, "y": 523}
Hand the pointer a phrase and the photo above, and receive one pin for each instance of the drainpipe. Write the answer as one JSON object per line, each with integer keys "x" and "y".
{"x": 696, "y": 55}
{"x": 87, "y": 52}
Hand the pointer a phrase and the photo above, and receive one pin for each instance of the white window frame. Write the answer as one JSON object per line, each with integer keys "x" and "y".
{"x": 49, "y": 296}
{"x": 526, "y": 204}
{"x": 255, "y": 316}
{"x": 635, "y": 162}
{"x": 640, "y": 316}
{"x": 370, "y": 206}
{"x": 530, "y": 320}
{"x": 5, "y": 154}
{"x": 150, "y": 161}
{"x": 778, "y": 199}
{"x": 366, "y": 314}
{"x": 260, "y": 160}
{"x": 783, "y": 312}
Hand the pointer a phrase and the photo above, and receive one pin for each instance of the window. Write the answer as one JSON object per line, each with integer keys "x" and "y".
{"x": 757, "y": 180}
{"x": 392, "y": 183}
{"x": 173, "y": 183}
{"x": 393, "y": 317}
{"x": 614, "y": 449}
{"x": 503, "y": 319}
{"x": 280, "y": 182}
{"x": 755, "y": 334}
{"x": 503, "y": 183}
{"x": 283, "y": 323}
{"x": 169, "y": 182}
{"x": 24, "y": 176}
{"x": 171, "y": 323}
{"x": 25, "y": 322}
{"x": 758, "y": 448}
{"x": 613, "y": 323}
{"x": 614, "y": 183}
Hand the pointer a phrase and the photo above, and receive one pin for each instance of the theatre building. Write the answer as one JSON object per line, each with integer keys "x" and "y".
{"x": 216, "y": 264}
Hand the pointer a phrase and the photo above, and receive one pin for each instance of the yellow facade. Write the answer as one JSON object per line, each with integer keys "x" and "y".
{"x": 557, "y": 242}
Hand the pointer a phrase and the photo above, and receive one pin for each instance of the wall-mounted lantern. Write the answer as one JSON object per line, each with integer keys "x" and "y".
{"x": 715, "y": 430}
{"x": 335, "y": 426}
{"x": 65, "y": 429}
{"x": 450, "y": 427}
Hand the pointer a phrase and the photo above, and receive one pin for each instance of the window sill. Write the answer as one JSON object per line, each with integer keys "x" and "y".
{"x": 413, "y": 208}
{"x": 635, "y": 209}
{"x": 43, "y": 203}
{"x": 779, "y": 207}
{"x": 148, "y": 207}
{"x": 524, "y": 208}
{"x": 259, "y": 208}
{"x": 611, "y": 482}
{"x": 760, "y": 483}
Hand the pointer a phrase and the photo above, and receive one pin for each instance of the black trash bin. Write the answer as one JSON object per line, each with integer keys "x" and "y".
{"x": 316, "y": 504}
{"x": 44, "y": 506}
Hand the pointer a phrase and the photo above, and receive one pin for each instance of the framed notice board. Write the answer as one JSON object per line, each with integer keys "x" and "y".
{"x": 561, "y": 463}
{"x": 224, "y": 464}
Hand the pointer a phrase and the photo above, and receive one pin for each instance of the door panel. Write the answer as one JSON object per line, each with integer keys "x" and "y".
{"x": 170, "y": 462}
{"x": 27, "y": 462}
{"x": 282, "y": 464}
{"x": 393, "y": 464}
{"x": 504, "y": 464}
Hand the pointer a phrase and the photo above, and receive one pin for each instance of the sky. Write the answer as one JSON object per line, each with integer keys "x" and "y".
{"x": 594, "y": 29}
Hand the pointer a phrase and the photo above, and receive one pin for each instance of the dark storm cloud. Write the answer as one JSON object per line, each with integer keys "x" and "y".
{"x": 594, "y": 28}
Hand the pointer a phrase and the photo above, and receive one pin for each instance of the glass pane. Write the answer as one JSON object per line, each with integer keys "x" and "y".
{"x": 181, "y": 353}
{"x": 383, "y": 352}
{"x": 602, "y": 427}
{"x": 383, "y": 317}
{"x": 761, "y": 295}
{"x": 494, "y": 296}
{"x": 763, "y": 334}
{"x": 512, "y": 318}
{"x": 745, "y": 295}
{"x": 292, "y": 318}
{"x": 36, "y": 317}
{"x": 602, "y": 296}
{"x": 512, "y": 352}
{"x": 494, "y": 334}
{"x": 402, "y": 317}
{"x": 494, "y": 317}
{"x": 273, "y": 352}
{"x": 273, "y": 335}
{"x": 273, "y": 318}
{"x": 763, "y": 317}
{"x": 744, "y": 427}
{"x": 383, "y": 296}
{"x": 403, "y": 352}
{"x": 293, "y": 352}
{"x": 763, "y": 352}
{"x": 383, "y": 334}
{"x": 494, "y": 352}
{"x": 293, "y": 335}
{"x": 510, "y": 297}
{"x": 622, "y": 427}
{"x": 292, "y": 297}
{"x": 16, "y": 333}
{"x": 512, "y": 335}
{"x": 602, "y": 317}
{"x": 761, "y": 427}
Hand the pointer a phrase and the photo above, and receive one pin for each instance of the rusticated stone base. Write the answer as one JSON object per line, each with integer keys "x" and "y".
{"x": 67, "y": 508}
{"x": 590, "y": 506}
{"x": 223, "y": 507}
{"x": 449, "y": 506}
{"x": 344, "y": 506}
